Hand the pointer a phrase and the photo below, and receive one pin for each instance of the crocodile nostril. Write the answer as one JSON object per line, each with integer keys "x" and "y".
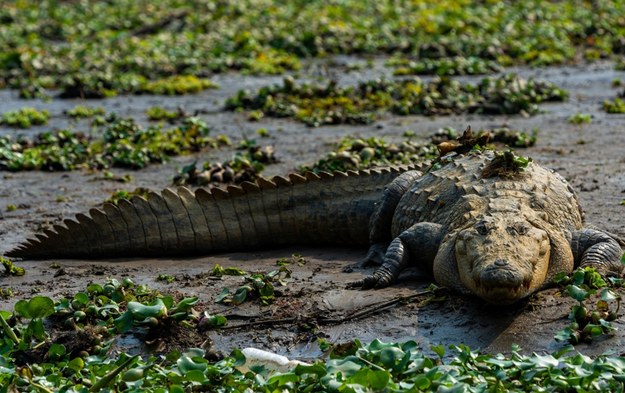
{"x": 501, "y": 262}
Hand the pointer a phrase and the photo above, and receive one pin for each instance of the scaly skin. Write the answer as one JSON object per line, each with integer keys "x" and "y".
{"x": 498, "y": 237}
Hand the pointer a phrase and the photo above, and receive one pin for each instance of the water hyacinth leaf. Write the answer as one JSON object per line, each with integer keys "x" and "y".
{"x": 36, "y": 328}
{"x": 238, "y": 356}
{"x": 56, "y": 351}
{"x": 347, "y": 366}
{"x": 317, "y": 369}
{"x": 422, "y": 382}
{"x": 222, "y": 296}
{"x": 391, "y": 356}
{"x": 283, "y": 379}
{"x": 40, "y": 307}
{"x": 241, "y": 294}
{"x": 577, "y": 293}
{"x": 439, "y": 350}
{"x": 21, "y": 308}
{"x": 140, "y": 311}
{"x": 168, "y": 301}
{"x": 124, "y": 322}
{"x": 374, "y": 379}
{"x": 94, "y": 289}
{"x": 578, "y": 276}
{"x": 217, "y": 320}
{"x": 609, "y": 295}
{"x": 186, "y": 364}
{"x": 195, "y": 376}
{"x": 184, "y": 305}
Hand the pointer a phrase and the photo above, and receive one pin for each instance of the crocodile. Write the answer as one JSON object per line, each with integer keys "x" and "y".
{"x": 474, "y": 228}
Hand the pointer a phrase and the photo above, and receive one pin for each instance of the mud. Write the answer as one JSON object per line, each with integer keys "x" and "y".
{"x": 315, "y": 304}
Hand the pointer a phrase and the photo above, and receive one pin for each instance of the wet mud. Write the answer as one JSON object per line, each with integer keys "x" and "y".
{"x": 315, "y": 303}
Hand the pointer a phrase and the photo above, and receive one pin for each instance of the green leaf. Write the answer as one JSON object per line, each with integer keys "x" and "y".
{"x": 21, "y": 309}
{"x": 56, "y": 351}
{"x": 195, "y": 376}
{"x": 222, "y": 296}
{"x": 609, "y": 295}
{"x": 577, "y": 293}
{"x": 76, "y": 364}
{"x": 240, "y": 295}
{"x": 283, "y": 379}
{"x": 390, "y": 356}
{"x": 439, "y": 350}
{"x": 124, "y": 322}
{"x": 422, "y": 382}
{"x": 81, "y": 297}
{"x": 35, "y": 327}
{"x": 217, "y": 320}
{"x": 186, "y": 364}
{"x": 578, "y": 276}
{"x": 184, "y": 305}
{"x": 40, "y": 307}
{"x": 140, "y": 311}
{"x": 238, "y": 356}
{"x": 564, "y": 334}
{"x": 316, "y": 369}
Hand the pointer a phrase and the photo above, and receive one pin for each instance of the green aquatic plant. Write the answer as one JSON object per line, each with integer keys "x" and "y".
{"x": 123, "y": 144}
{"x": 25, "y": 117}
{"x": 445, "y": 66}
{"x": 82, "y": 111}
{"x": 317, "y": 104}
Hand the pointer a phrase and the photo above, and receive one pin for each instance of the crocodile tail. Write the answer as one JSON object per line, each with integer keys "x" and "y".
{"x": 314, "y": 209}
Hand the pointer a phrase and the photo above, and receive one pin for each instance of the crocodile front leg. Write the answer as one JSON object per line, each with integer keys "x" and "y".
{"x": 382, "y": 218}
{"x": 418, "y": 244}
{"x": 595, "y": 248}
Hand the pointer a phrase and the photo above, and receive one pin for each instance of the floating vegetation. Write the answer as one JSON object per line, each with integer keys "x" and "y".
{"x": 102, "y": 85}
{"x": 123, "y": 144}
{"x": 257, "y": 286}
{"x": 580, "y": 118}
{"x": 25, "y": 117}
{"x": 446, "y": 66}
{"x": 157, "y": 113}
{"x": 589, "y": 323}
{"x": 81, "y": 111}
{"x": 10, "y": 268}
{"x": 177, "y": 85}
{"x": 615, "y": 106}
{"x": 115, "y": 46}
{"x": 361, "y": 153}
{"x": 330, "y": 104}
{"x": 245, "y": 165}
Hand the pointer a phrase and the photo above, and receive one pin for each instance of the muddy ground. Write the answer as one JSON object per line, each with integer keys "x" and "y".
{"x": 315, "y": 303}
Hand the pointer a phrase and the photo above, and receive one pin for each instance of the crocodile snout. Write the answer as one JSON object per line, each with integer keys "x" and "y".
{"x": 501, "y": 275}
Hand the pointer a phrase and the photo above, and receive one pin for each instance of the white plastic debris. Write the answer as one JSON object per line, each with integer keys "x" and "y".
{"x": 271, "y": 361}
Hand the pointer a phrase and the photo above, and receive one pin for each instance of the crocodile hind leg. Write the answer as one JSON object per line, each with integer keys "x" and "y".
{"x": 418, "y": 243}
{"x": 592, "y": 247}
{"x": 380, "y": 223}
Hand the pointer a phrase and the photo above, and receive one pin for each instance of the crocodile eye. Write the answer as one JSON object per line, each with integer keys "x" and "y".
{"x": 481, "y": 228}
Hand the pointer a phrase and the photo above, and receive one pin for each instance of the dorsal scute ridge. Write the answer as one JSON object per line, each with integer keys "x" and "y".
{"x": 235, "y": 191}
{"x": 282, "y": 181}
{"x": 250, "y": 187}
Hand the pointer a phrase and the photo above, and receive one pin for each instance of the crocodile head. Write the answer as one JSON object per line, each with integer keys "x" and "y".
{"x": 502, "y": 258}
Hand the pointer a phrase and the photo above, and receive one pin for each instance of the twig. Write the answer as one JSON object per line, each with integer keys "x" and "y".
{"x": 357, "y": 314}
